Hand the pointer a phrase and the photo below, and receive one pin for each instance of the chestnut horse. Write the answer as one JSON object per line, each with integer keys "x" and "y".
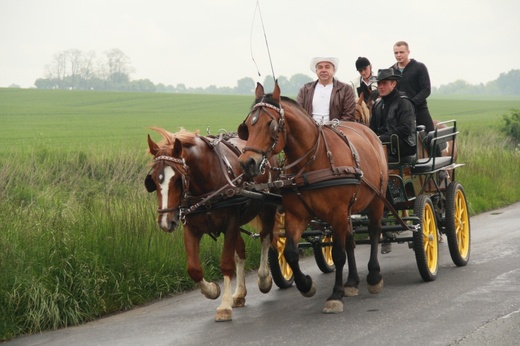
{"x": 190, "y": 174}
{"x": 333, "y": 171}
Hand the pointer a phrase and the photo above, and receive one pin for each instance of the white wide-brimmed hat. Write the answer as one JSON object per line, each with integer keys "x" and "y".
{"x": 316, "y": 60}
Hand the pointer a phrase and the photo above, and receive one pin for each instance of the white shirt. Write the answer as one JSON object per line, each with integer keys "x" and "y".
{"x": 321, "y": 102}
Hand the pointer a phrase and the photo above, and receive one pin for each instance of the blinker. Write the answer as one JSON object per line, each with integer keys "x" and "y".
{"x": 149, "y": 183}
{"x": 243, "y": 132}
{"x": 273, "y": 129}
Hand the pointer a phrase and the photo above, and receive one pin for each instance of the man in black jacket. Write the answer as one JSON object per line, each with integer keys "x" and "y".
{"x": 394, "y": 113}
{"x": 415, "y": 82}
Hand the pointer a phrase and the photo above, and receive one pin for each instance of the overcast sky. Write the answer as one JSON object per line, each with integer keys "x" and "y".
{"x": 213, "y": 42}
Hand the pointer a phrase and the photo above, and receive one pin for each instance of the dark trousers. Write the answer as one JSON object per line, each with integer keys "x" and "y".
{"x": 423, "y": 117}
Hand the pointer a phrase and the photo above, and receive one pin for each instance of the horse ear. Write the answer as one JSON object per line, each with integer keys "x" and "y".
{"x": 177, "y": 148}
{"x": 276, "y": 92}
{"x": 154, "y": 148}
{"x": 360, "y": 99}
{"x": 259, "y": 92}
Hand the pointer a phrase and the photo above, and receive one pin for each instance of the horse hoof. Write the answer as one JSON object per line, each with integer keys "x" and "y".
{"x": 310, "y": 292}
{"x": 213, "y": 291}
{"x": 333, "y": 307}
{"x": 223, "y": 315}
{"x": 350, "y": 291}
{"x": 265, "y": 285}
{"x": 377, "y": 288}
{"x": 239, "y": 302}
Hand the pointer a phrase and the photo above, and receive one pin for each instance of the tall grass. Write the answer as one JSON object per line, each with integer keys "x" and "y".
{"x": 79, "y": 239}
{"x": 78, "y": 236}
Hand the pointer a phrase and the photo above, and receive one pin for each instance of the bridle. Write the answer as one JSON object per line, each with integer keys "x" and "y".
{"x": 275, "y": 128}
{"x": 274, "y": 131}
{"x": 178, "y": 165}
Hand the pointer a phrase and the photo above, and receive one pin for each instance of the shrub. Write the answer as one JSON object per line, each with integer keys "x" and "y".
{"x": 511, "y": 125}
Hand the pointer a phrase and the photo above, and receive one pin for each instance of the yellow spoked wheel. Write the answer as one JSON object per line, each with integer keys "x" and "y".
{"x": 425, "y": 241}
{"x": 457, "y": 224}
{"x": 282, "y": 274}
{"x": 323, "y": 255}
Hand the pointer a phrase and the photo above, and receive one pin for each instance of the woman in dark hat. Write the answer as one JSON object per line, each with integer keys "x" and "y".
{"x": 366, "y": 82}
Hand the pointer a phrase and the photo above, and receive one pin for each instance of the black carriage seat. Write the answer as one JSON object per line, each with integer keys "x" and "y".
{"x": 435, "y": 140}
{"x": 395, "y": 159}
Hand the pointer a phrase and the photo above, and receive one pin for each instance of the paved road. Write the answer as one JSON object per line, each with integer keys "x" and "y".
{"x": 474, "y": 305}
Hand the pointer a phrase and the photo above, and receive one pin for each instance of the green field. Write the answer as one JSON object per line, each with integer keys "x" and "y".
{"x": 78, "y": 237}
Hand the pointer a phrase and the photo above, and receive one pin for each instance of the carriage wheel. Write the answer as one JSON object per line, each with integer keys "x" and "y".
{"x": 281, "y": 272}
{"x": 425, "y": 241}
{"x": 457, "y": 224}
{"x": 323, "y": 255}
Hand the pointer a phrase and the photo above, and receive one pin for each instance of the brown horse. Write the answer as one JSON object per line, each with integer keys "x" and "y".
{"x": 333, "y": 171}
{"x": 190, "y": 174}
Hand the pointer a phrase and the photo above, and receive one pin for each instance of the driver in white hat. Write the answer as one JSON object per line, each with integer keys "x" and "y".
{"x": 327, "y": 98}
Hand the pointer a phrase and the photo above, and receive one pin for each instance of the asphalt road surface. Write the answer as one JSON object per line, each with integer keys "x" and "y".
{"x": 478, "y": 304}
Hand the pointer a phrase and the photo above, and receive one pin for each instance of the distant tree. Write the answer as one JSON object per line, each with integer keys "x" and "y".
{"x": 117, "y": 65}
{"x": 181, "y": 88}
{"x": 245, "y": 86}
{"x": 142, "y": 85}
{"x": 268, "y": 83}
{"x": 297, "y": 81}
{"x": 509, "y": 83}
{"x": 212, "y": 89}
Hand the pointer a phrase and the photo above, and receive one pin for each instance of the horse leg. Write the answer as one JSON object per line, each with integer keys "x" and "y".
{"x": 210, "y": 290}
{"x": 227, "y": 267}
{"x": 374, "y": 277}
{"x": 293, "y": 230}
{"x": 265, "y": 281}
{"x": 239, "y": 297}
{"x": 334, "y": 303}
{"x": 271, "y": 219}
{"x": 351, "y": 286}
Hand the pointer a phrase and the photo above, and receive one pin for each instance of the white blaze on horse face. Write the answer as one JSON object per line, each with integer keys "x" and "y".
{"x": 168, "y": 173}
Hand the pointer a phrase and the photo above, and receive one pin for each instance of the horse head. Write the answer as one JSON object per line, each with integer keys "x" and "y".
{"x": 362, "y": 111}
{"x": 169, "y": 177}
{"x": 267, "y": 120}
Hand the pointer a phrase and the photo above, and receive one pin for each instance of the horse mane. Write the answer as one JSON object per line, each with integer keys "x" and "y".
{"x": 269, "y": 99}
{"x": 187, "y": 138}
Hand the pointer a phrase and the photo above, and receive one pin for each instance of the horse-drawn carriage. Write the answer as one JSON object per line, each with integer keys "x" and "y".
{"x": 335, "y": 182}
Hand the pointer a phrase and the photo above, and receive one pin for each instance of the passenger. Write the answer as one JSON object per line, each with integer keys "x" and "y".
{"x": 394, "y": 113}
{"x": 366, "y": 81}
{"x": 415, "y": 83}
{"x": 327, "y": 98}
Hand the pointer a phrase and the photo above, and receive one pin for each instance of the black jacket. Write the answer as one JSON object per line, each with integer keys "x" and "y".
{"x": 395, "y": 113}
{"x": 415, "y": 82}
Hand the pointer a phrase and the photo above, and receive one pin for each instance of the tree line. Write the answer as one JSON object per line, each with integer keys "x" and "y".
{"x": 74, "y": 69}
